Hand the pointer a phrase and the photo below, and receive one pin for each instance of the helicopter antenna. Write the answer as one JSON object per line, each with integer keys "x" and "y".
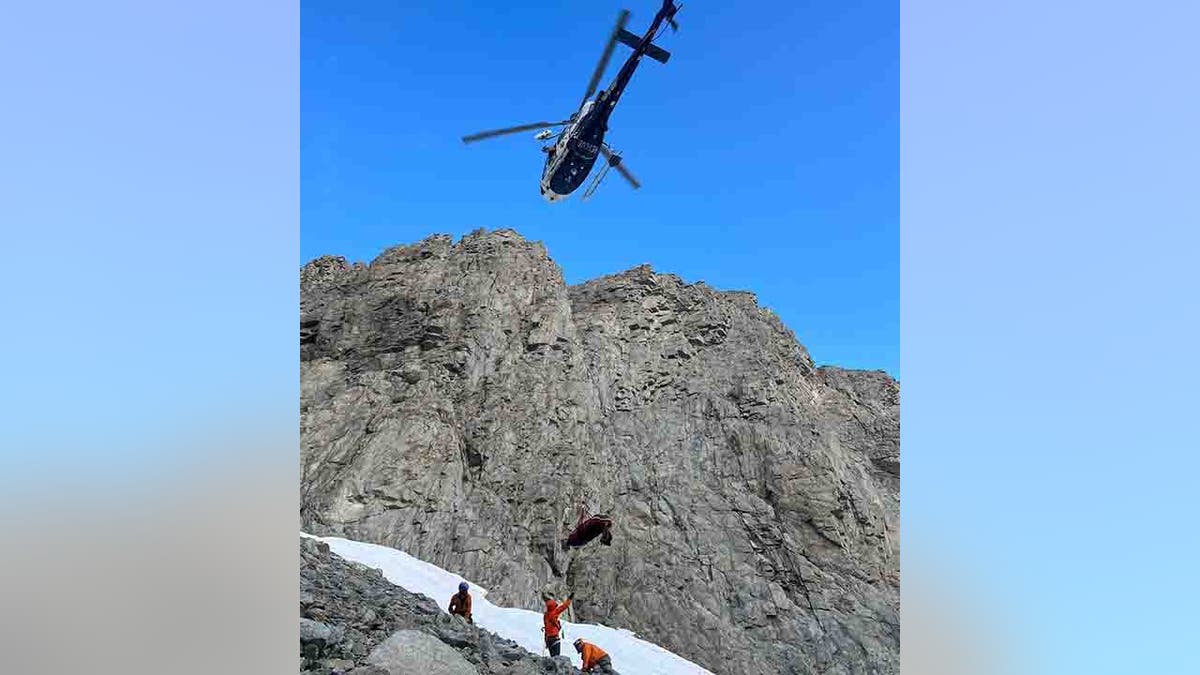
{"x": 622, "y": 18}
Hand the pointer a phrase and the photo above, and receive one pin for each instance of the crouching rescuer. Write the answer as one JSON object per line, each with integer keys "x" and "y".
{"x": 595, "y": 660}
{"x": 460, "y": 603}
{"x": 551, "y": 625}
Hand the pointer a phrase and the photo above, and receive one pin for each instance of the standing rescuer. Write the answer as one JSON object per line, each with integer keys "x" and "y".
{"x": 595, "y": 660}
{"x": 551, "y": 625}
{"x": 460, "y": 603}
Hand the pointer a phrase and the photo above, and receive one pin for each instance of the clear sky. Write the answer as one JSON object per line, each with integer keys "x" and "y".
{"x": 768, "y": 146}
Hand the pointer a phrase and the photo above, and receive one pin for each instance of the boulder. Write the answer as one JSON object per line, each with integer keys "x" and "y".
{"x": 409, "y": 652}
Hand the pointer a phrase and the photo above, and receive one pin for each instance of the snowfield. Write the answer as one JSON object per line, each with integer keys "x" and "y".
{"x": 629, "y": 653}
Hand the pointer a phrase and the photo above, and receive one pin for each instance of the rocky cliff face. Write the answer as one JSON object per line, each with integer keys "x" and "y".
{"x": 459, "y": 401}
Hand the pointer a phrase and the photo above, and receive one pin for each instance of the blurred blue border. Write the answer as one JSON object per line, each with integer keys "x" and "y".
{"x": 1049, "y": 322}
{"x": 149, "y": 190}
{"x": 1049, "y": 210}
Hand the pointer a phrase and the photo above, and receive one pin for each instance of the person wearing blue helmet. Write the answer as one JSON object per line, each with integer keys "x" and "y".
{"x": 460, "y": 603}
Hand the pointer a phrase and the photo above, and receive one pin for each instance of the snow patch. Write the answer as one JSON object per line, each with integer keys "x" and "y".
{"x": 629, "y": 653}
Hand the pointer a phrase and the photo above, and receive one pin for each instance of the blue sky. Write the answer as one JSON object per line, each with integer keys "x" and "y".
{"x": 768, "y": 147}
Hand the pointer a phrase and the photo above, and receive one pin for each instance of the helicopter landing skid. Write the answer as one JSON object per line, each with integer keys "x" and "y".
{"x": 613, "y": 160}
{"x": 591, "y": 189}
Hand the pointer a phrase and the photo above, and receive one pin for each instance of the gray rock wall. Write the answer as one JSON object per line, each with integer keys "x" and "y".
{"x": 460, "y": 401}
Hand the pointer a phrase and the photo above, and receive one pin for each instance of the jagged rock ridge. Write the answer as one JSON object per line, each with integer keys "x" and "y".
{"x": 459, "y": 401}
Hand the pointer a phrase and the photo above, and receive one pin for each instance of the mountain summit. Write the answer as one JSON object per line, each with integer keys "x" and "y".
{"x": 461, "y": 402}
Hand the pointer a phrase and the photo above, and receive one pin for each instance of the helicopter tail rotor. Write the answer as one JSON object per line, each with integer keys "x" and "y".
{"x": 671, "y": 10}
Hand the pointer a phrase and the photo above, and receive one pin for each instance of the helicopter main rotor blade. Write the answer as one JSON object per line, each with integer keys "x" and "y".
{"x": 620, "y": 167}
{"x": 606, "y": 56}
{"x": 510, "y": 130}
{"x": 619, "y": 164}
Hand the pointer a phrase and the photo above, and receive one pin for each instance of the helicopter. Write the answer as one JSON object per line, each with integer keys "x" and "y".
{"x": 570, "y": 158}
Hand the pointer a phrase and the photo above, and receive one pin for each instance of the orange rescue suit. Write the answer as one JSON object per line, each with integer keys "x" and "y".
{"x": 460, "y": 604}
{"x": 550, "y": 618}
{"x": 591, "y": 655}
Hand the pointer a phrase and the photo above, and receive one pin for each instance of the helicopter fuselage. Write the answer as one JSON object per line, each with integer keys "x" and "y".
{"x": 570, "y": 159}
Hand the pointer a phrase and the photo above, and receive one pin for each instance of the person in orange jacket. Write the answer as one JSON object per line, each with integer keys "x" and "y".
{"x": 550, "y": 623}
{"x": 595, "y": 660}
{"x": 460, "y": 603}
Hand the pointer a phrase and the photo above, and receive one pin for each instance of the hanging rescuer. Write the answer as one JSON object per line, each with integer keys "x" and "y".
{"x": 587, "y": 529}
